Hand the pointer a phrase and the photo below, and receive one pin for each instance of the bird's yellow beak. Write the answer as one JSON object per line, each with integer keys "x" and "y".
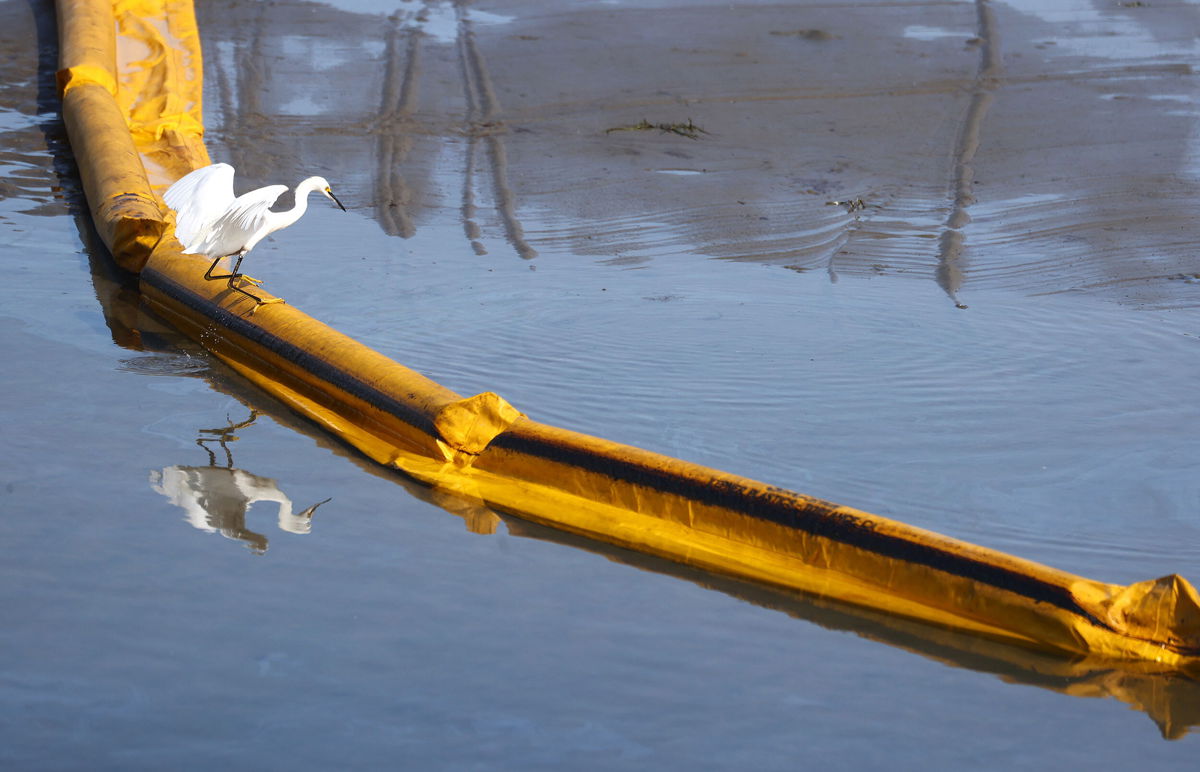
{"x": 329, "y": 193}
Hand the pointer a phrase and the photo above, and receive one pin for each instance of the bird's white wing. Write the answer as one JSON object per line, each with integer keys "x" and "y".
{"x": 199, "y": 198}
{"x": 242, "y": 224}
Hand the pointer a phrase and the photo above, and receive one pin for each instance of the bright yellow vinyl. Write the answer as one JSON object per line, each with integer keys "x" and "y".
{"x": 132, "y": 77}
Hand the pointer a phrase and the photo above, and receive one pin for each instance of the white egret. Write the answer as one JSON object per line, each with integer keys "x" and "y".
{"x": 211, "y": 221}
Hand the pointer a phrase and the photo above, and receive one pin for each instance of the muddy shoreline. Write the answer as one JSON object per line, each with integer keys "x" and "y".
{"x": 989, "y": 145}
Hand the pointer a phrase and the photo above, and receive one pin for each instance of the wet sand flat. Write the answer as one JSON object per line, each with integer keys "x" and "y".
{"x": 1039, "y": 148}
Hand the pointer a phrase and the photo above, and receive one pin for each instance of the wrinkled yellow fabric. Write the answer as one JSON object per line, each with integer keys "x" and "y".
{"x": 160, "y": 83}
{"x": 1166, "y": 609}
{"x": 467, "y": 426}
{"x": 85, "y": 73}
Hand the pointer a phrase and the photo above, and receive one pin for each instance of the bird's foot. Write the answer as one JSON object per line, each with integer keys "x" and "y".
{"x": 251, "y": 279}
{"x": 264, "y": 302}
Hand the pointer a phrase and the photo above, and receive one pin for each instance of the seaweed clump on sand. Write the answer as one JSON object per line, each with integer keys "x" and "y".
{"x": 689, "y": 129}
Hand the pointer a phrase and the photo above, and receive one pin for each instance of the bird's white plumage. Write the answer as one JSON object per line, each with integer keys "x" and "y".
{"x": 242, "y": 224}
{"x": 211, "y": 221}
{"x": 199, "y": 198}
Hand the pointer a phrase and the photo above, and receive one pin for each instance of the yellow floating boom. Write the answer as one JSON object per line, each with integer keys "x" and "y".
{"x": 130, "y": 76}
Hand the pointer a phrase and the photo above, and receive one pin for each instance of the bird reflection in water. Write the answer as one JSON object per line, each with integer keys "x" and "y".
{"x": 216, "y": 498}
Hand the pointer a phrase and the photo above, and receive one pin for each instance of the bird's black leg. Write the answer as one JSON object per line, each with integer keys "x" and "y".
{"x": 232, "y": 277}
{"x": 259, "y": 301}
{"x": 234, "y": 285}
{"x": 211, "y": 276}
{"x": 238, "y": 275}
{"x": 235, "y": 277}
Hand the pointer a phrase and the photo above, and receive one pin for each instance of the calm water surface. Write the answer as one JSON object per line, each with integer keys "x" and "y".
{"x": 170, "y": 598}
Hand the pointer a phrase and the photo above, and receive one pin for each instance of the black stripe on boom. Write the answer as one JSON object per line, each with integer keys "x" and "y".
{"x": 785, "y": 508}
{"x": 292, "y": 353}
